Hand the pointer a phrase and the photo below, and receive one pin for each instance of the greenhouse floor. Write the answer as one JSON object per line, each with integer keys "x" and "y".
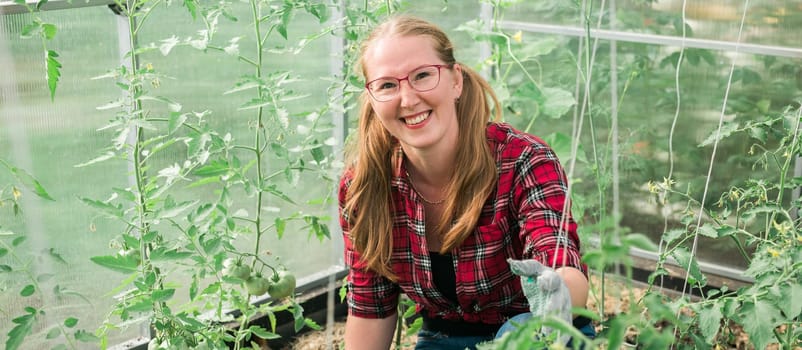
{"x": 618, "y": 299}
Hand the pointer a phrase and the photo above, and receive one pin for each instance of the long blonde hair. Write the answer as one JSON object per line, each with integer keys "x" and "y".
{"x": 371, "y": 158}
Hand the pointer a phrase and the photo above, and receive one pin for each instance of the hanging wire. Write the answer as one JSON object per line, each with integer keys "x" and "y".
{"x": 578, "y": 121}
{"x": 662, "y": 198}
{"x": 715, "y": 147}
{"x": 577, "y": 124}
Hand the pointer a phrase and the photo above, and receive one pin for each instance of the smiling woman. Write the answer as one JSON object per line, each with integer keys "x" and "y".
{"x": 450, "y": 202}
{"x": 191, "y": 163}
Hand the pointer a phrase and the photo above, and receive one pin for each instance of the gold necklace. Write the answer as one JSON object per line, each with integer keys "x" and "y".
{"x": 412, "y": 184}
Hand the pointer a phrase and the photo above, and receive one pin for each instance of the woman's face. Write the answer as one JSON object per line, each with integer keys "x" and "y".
{"x": 417, "y": 119}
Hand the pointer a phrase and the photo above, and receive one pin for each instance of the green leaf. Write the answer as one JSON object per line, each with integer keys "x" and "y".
{"x": 70, "y": 322}
{"x": 298, "y": 316}
{"x": 5, "y": 268}
{"x": 86, "y": 337}
{"x": 639, "y": 240}
{"x": 111, "y": 210}
{"x": 759, "y": 320}
{"x": 28, "y": 29}
{"x": 49, "y": 31}
{"x": 23, "y": 328}
{"x": 263, "y": 333}
{"x": 317, "y": 154}
{"x": 167, "y": 45}
{"x": 214, "y": 168}
{"x": 53, "y": 333}
{"x": 791, "y": 303}
{"x": 280, "y": 150}
{"x": 707, "y": 230}
{"x": 710, "y": 321}
{"x": 193, "y": 288}
{"x": 726, "y": 130}
{"x": 280, "y": 224}
{"x": 164, "y": 254}
{"x": 160, "y": 295}
{"x": 255, "y": 103}
{"x": 123, "y": 264}
{"x": 274, "y": 191}
{"x": 616, "y": 333}
{"x": 726, "y": 231}
{"x": 53, "y": 72}
{"x": 28, "y": 181}
{"x": 17, "y": 241}
{"x": 175, "y": 121}
{"x": 56, "y": 256}
{"x": 3, "y": 252}
{"x": 672, "y": 235}
{"x": 40, "y": 4}
{"x": 44, "y": 277}
{"x": 108, "y": 155}
{"x": 689, "y": 263}
{"x": 556, "y": 102}
{"x": 27, "y": 290}
{"x": 320, "y": 11}
{"x": 192, "y": 7}
{"x": 174, "y": 209}
{"x": 538, "y": 47}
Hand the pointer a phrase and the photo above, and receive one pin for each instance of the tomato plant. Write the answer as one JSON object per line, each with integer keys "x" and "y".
{"x": 257, "y": 285}
{"x": 282, "y": 285}
{"x": 234, "y": 268}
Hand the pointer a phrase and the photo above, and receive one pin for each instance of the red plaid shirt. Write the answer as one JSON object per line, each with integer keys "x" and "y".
{"x": 520, "y": 220}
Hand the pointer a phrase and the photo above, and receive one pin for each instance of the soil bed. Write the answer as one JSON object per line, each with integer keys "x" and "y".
{"x": 617, "y": 300}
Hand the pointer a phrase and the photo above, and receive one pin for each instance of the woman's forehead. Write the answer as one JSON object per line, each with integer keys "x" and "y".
{"x": 397, "y": 55}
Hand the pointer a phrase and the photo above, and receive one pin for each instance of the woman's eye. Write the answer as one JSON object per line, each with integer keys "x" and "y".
{"x": 385, "y": 85}
{"x": 422, "y": 75}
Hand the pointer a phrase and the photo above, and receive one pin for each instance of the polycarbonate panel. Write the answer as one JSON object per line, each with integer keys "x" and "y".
{"x": 768, "y": 22}
{"x": 647, "y": 101}
{"x": 47, "y": 139}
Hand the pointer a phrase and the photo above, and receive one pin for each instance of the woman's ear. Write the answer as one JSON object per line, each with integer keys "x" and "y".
{"x": 458, "y": 79}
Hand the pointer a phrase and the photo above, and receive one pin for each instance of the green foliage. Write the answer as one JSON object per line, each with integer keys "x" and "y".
{"x": 46, "y": 31}
{"x": 19, "y": 273}
{"x": 162, "y": 233}
{"x": 754, "y": 214}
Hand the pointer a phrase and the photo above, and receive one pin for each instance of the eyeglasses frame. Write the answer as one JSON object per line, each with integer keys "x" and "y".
{"x": 438, "y": 66}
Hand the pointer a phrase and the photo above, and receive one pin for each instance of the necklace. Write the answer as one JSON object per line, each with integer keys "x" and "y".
{"x": 412, "y": 184}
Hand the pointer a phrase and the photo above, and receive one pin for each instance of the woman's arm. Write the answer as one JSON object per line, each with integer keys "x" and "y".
{"x": 369, "y": 333}
{"x": 577, "y": 285}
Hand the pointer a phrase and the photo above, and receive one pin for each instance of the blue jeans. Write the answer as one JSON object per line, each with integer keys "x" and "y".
{"x": 429, "y": 340}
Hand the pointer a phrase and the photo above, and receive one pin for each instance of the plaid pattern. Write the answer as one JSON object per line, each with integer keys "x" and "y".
{"x": 520, "y": 220}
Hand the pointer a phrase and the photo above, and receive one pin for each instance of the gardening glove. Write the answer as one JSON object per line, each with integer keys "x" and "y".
{"x": 545, "y": 291}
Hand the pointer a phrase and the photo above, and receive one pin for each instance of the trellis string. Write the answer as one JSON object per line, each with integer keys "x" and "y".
{"x": 715, "y": 147}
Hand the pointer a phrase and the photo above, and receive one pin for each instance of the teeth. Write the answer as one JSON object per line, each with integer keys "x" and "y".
{"x": 417, "y": 120}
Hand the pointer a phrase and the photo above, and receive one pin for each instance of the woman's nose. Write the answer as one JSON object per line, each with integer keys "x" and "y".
{"x": 408, "y": 95}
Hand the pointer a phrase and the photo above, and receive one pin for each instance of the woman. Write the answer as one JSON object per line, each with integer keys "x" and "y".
{"x": 436, "y": 197}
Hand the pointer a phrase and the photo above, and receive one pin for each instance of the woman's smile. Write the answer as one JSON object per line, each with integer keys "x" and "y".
{"x": 417, "y": 119}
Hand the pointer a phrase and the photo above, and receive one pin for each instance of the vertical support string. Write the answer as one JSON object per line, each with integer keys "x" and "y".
{"x": 662, "y": 197}
{"x": 715, "y": 147}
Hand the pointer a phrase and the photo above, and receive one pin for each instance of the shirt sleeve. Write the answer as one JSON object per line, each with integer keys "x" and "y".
{"x": 547, "y": 229}
{"x": 369, "y": 295}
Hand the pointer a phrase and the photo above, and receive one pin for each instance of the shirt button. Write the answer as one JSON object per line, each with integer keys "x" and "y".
{"x": 476, "y": 307}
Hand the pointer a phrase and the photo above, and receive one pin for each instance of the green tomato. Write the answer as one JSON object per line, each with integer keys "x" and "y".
{"x": 235, "y": 269}
{"x": 257, "y": 285}
{"x": 283, "y": 285}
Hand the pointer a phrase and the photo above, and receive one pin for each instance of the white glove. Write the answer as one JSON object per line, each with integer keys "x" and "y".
{"x": 545, "y": 291}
